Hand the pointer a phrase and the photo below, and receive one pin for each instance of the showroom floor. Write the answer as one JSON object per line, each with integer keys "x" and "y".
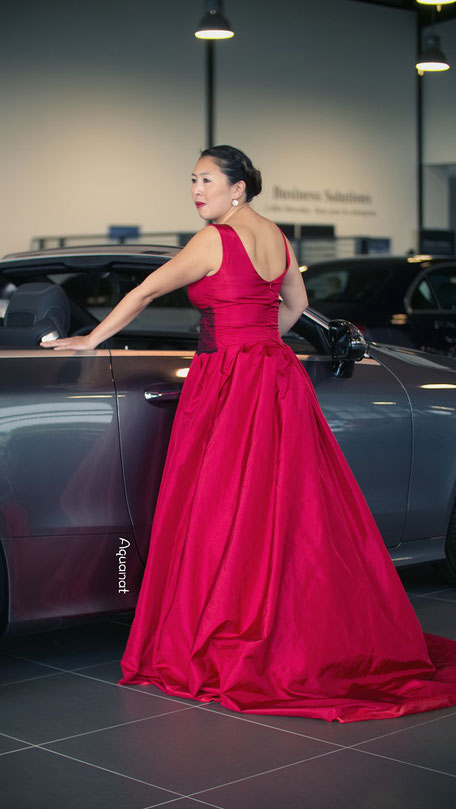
{"x": 70, "y": 738}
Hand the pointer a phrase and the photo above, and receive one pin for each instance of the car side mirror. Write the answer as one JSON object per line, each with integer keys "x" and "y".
{"x": 347, "y": 346}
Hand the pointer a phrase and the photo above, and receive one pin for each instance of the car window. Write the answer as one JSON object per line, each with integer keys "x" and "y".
{"x": 99, "y": 292}
{"x": 443, "y": 283}
{"x": 343, "y": 286}
{"x": 169, "y": 314}
{"x": 423, "y": 297}
{"x": 93, "y": 294}
{"x": 6, "y": 290}
{"x": 168, "y": 322}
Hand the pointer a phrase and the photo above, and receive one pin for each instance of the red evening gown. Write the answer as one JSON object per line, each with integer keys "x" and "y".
{"x": 268, "y": 587}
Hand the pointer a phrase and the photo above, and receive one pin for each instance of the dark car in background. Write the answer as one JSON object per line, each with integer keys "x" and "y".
{"x": 84, "y": 435}
{"x": 407, "y": 301}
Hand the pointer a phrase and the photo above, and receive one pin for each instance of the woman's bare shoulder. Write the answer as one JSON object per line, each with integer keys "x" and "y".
{"x": 206, "y": 236}
{"x": 260, "y": 227}
{"x": 204, "y": 248}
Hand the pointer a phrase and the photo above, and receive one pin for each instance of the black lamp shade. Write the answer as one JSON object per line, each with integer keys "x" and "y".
{"x": 214, "y": 24}
{"x": 432, "y": 58}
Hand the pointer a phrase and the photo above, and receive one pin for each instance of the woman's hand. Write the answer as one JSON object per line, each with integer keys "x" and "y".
{"x": 82, "y": 343}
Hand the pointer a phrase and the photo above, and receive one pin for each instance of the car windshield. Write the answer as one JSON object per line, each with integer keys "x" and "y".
{"x": 343, "y": 285}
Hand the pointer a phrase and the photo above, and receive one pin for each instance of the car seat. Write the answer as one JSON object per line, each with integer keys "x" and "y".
{"x": 35, "y": 311}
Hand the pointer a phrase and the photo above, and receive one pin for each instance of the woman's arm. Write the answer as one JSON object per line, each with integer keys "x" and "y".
{"x": 293, "y": 294}
{"x": 202, "y": 254}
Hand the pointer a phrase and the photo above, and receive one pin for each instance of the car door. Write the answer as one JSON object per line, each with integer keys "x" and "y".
{"x": 148, "y": 374}
{"x": 63, "y": 513}
{"x": 369, "y": 415}
{"x": 148, "y": 384}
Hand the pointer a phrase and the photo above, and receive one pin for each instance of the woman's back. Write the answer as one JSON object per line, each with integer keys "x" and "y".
{"x": 237, "y": 303}
{"x": 264, "y": 245}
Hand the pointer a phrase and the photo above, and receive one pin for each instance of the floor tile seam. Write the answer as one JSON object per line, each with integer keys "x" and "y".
{"x": 60, "y": 670}
{"x": 28, "y": 679}
{"x": 205, "y": 803}
{"x": 129, "y": 688}
{"x": 194, "y": 800}
{"x": 192, "y": 794}
{"x": 112, "y": 727}
{"x": 40, "y": 663}
{"x": 271, "y": 727}
{"x": 401, "y": 730}
{"x": 179, "y": 795}
{"x": 408, "y": 763}
{"x": 132, "y": 688}
{"x": 264, "y": 772}
{"x": 27, "y": 746}
{"x": 94, "y": 665}
{"x": 325, "y": 741}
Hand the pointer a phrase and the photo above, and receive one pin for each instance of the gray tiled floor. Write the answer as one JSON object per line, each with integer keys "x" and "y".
{"x": 71, "y": 738}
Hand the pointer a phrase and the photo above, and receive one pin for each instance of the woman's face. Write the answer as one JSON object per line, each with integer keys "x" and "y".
{"x": 211, "y": 191}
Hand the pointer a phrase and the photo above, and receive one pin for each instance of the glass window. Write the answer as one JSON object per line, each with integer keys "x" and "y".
{"x": 99, "y": 292}
{"x": 6, "y": 290}
{"x": 443, "y": 283}
{"x": 423, "y": 297}
{"x": 343, "y": 286}
{"x": 169, "y": 322}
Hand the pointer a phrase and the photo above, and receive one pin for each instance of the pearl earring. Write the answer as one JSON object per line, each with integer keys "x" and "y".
{"x": 235, "y": 202}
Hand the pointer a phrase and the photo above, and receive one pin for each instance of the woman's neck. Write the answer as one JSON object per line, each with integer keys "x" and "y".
{"x": 230, "y": 213}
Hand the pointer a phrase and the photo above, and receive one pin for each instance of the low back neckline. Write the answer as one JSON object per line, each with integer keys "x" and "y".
{"x": 265, "y": 280}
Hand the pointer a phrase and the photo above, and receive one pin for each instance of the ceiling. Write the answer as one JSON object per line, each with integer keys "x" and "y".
{"x": 426, "y": 15}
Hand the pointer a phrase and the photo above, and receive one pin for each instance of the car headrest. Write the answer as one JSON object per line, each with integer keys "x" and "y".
{"x": 35, "y": 310}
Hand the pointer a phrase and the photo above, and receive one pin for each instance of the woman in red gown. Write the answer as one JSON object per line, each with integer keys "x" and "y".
{"x": 268, "y": 587}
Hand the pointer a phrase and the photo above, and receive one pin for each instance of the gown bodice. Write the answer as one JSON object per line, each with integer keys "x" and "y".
{"x": 237, "y": 305}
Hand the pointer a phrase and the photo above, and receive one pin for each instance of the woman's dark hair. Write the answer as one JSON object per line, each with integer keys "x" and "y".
{"x": 236, "y": 166}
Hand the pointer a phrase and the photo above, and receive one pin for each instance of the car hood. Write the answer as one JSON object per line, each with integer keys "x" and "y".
{"x": 425, "y": 359}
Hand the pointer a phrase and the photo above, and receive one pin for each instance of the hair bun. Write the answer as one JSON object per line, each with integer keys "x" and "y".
{"x": 254, "y": 180}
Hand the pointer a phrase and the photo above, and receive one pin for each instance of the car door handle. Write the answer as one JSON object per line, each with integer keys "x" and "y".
{"x": 162, "y": 392}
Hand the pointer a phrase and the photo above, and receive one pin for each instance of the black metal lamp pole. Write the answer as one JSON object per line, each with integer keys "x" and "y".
{"x": 210, "y": 97}
{"x": 419, "y": 138}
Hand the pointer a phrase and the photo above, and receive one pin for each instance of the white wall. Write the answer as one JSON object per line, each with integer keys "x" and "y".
{"x": 439, "y": 95}
{"x": 101, "y": 116}
{"x": 439, "y": 132}
{"x": 436, "y": 197}
{"x": 102, "y": 113}
{"x": 310, "y": 97}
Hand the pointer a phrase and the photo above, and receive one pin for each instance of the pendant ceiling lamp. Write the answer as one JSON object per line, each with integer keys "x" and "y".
{"x": 438, "y": 3}
{"x": 214, "y": 24}
{"x": 431, "y": 59}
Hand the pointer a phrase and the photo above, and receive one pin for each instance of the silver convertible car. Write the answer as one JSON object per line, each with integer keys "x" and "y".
{"x": 83, "y": 436}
